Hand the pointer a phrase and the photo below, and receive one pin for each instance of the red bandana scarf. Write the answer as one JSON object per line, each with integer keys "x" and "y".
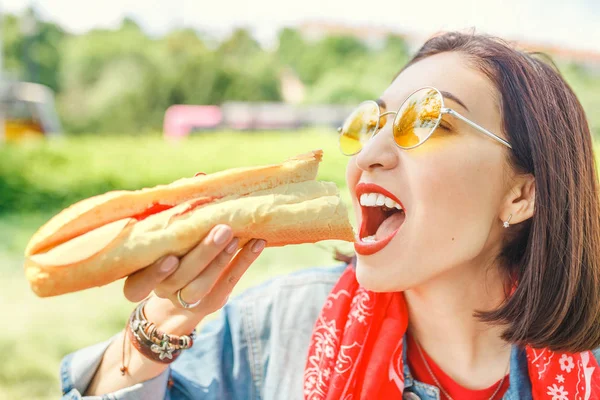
{"x": 356, "y": 352}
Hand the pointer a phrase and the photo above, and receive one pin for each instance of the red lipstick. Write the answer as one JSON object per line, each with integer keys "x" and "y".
{"x": 368, "y": 248}
{"x": 373, "y": 188}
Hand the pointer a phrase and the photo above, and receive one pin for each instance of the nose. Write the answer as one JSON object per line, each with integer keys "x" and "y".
{"x": 380, "y": 152}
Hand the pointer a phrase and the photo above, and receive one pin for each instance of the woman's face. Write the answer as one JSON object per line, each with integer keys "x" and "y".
{"x": 451, "y": 187}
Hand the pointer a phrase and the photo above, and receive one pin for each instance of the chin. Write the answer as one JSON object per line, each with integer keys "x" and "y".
{"x": 377, "y": 276}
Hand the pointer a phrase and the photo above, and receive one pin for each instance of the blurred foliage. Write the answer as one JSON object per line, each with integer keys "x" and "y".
{"x": 32, "y": 48}
{"x": 123, "y": 80}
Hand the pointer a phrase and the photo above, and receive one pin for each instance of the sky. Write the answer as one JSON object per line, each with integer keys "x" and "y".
{"x": 569, "y": 23}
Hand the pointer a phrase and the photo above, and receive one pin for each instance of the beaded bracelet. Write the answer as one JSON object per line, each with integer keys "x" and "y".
{"x": 151, "y": 342}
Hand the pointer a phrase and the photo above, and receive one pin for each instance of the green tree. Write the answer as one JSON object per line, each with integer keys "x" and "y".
{"x": 291, "y": 48}
{"x": 12, "y": 43}
{"x": 245, "y": 72}
{"x": 31, "y": 48}
{"x": 359, "y": 74}
{"x": 329, "y": 53}
{"x": 191, "y": 68}
{"x": 113, "y": 81}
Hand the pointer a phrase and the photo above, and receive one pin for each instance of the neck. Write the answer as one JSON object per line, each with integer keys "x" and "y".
{"x": 441, "y": 315}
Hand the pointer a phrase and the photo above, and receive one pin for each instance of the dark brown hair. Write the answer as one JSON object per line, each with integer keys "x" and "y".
{"x": 554, "y": 257}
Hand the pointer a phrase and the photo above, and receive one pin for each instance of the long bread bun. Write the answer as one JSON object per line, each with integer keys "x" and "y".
{"x": 290, "y": 213}
{"x": 99, "y": 210}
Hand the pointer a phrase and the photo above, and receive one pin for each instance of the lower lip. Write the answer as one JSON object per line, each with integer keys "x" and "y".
{"x": 366, "y": 249}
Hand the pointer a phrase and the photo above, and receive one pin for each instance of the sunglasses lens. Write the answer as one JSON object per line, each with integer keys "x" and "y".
{"x": 418, "y": 116}
{"x": 359, "y": 127}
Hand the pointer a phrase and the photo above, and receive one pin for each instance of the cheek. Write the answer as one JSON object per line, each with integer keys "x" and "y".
{"x": 457, "y": 200}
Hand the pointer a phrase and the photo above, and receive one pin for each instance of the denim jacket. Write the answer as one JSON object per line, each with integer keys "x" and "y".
{"x": 255, "y": 350}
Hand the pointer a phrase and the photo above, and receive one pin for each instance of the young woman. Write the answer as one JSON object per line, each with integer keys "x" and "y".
{"x": 477, "y": 273}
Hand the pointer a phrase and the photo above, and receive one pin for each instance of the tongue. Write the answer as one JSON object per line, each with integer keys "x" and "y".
{"x": 389, "y": 225}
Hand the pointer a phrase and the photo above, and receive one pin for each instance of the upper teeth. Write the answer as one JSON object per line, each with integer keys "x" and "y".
{"x": 377, "y": 200}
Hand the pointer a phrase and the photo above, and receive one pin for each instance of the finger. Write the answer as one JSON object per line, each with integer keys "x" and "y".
{"x": 197, "y": 259}
{"x": 232, "y": 274}
{"x": 139, "y": 284}
{"x": 203, "y": 283}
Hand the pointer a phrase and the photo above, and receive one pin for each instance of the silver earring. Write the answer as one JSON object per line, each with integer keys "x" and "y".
{"x": 506, "y": 223}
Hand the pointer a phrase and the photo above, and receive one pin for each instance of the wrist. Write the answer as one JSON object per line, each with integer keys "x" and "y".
{"x": 170, "y": 318}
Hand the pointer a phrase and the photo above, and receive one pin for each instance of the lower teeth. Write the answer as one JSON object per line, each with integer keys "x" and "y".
{"x": 369, "y": 239}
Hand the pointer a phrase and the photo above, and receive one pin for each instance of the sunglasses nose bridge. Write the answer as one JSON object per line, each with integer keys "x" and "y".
{"x": 385, "y": 114}
{"x": 383, "y": 123}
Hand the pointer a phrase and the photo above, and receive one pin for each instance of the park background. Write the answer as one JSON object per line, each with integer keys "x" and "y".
{"x": 114, "y": 71}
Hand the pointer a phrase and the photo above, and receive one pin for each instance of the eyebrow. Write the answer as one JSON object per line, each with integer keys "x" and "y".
{"x": 454, "y": 98}
{"x": 444, "y": 93}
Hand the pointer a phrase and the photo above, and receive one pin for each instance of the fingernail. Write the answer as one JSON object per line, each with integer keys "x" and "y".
{"x": 169, "y": 264}
{"x": 258, "y": 246}
{"x": 222, "y": 235}
{"x": 232, "y": 246}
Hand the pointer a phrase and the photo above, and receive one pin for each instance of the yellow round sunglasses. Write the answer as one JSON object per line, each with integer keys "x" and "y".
{"x": 416, "y": 119}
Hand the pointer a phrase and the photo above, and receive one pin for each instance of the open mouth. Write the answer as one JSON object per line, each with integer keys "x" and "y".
{"x": 382, "y": 216}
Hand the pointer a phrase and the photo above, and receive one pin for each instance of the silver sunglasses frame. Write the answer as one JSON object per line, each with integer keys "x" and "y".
{"x": 444, "y": 110}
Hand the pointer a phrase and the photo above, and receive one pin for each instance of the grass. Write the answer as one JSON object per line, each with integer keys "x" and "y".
{"x": 37, "y": 333}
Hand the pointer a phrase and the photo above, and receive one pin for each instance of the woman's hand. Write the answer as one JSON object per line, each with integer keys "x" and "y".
{"x": 208, "y": 272}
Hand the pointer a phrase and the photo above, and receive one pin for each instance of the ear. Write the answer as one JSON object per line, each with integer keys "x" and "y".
{"x": 519, "y": 200}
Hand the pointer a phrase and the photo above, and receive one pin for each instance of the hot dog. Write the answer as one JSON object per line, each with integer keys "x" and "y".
{"x": 107, "y": 237}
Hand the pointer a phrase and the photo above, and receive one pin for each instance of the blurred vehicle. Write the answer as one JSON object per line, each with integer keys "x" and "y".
{"x": 182, "y": 120}
{"x": 253, "y": 116}
{"x": 27, "y": 111}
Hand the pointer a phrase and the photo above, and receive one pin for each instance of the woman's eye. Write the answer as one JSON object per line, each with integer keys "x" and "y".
{"x": 445, "y": 127}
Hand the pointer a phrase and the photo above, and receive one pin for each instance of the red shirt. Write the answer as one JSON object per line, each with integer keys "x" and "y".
{"x": 420, "y": 373}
